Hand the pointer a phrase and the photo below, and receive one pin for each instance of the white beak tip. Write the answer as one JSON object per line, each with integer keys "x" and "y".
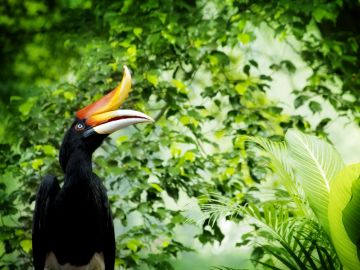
{"x": 127, "y": 71}
{"x": 151, "y": 119}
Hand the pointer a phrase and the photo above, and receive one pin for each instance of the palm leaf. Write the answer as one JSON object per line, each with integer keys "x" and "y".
{"x": 218, "y": 206}
{"x": 321, "y": 258}
{"x": 315, "y": 164}
{"x": 307, "y": 251}
{"x": 277, "y": 152}
{"x": 297, "y": 237}
{"x": 279, "y": 158}
{"x": 324, "y": 257}
{"x": 293, "y": 240}
{"x": 284, "y": 259}
{"x": 225, "y": 268}
{"x": 268, "y": 265}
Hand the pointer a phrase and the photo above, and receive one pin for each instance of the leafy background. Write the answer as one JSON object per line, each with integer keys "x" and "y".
{"x": 209, "y": 72}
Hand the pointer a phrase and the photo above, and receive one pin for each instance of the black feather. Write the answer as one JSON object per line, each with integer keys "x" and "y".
{"x": 74, "y": 221}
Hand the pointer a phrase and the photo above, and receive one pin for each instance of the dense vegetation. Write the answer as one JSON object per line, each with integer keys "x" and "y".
{"x": 195, "y": 72}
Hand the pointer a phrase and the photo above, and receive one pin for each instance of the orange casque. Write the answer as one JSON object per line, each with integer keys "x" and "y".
{"x": 107, "y": 103}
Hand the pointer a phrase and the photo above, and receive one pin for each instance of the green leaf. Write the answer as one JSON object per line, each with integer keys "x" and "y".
{"x": 175, "y": 150}
{"x": 344, "y": 215}
{"x": 2, "y": 248}
{"x": 351, "y": 217}
{"x": 321, "y": 13}
{"x": 34, "y": 8}
{"x": 188, "y": 120}
{"x": 246, "y": 69}
{"x": 219, "y": 58}
{"x": 279, "y": 158}
{"x": 131, "y": 52}
{"x": 165, "y": 244}
{"x": 300, "y": 100}
{"x": 37, "y": 163}
{"x": 153, "y": 79}
{"x": 257, "y": 253}
{"x": 26, "y": 107}
{"x": 156, "y": 186}
{"x": 288, "y": 65}
{"x": 49, "y": 150}
{"x": 315, "y": 164}
{"x": 180, "y": 86}
{"x": 315, "y": 106}
{"x": 162, "y": 17}
{"x": 138, "y": 31}
{"x": 244, "y": 38}
{"x": 268, "y": 265}
{"x": 133, "y": 244}
{"x": 121, "y": 139}
{"x": 284, "y": 259}
{"x": 69, "y": 95}
{"x": 190, "y": 156}
{"x": 26, "y": 245}
{"x": 220, "y": 133}
{"x": 241, "y": 88}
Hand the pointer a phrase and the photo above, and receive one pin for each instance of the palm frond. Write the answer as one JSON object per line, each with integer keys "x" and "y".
{"x": 218, "y": 206}
{"x": 225, "y": 268}
{"x": 292, "y": 241}
{"x": 307, "y": 248}
{"x": 299, "y": 247}
{"x": 321, "y": 257}
{"x": 315, "y": 164}
{"x": 306, "y": 167}
{"x": 269, "y": 266}
{"x": 285, "y": 260}
{"x": 279, "y": 163}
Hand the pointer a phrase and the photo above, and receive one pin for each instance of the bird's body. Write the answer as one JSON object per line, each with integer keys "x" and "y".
{"x": 72, "y": 225}
{"x": 81, "y": 223}
{"x": 77, "y": 217}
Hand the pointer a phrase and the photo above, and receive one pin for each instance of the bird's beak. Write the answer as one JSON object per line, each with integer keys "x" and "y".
{"x": 102, "y": 116}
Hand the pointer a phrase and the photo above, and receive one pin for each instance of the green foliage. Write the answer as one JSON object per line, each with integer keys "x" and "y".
{"x": 344, "y": 217}
{"x": 330, "y": 189}
{"x": 328, "y": 36}
{"x": 315, "y": 164}
{"x": 350, "y": 220}
{"x": 282, "y": 240}
{"x": 168, "y": 48}
{"x": 58, "y": 56}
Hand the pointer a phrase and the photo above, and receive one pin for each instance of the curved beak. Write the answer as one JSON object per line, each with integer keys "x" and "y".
{"x": 102, "y": 116}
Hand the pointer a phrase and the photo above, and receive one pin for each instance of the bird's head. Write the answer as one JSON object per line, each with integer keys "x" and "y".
{"x": 96, "y": 121}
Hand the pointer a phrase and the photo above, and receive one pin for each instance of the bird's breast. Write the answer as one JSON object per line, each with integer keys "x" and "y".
{"x": 76, "y": 230}
{"x": 96, "y": 263}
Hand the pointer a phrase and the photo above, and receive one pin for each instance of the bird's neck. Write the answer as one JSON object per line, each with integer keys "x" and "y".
{"x": 79, "y": 167}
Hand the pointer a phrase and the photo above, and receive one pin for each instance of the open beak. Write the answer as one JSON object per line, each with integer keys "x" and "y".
{"x": 102, "y": 116}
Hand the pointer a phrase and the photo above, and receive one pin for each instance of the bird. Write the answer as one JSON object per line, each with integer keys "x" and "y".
{"x": 72, "y": 225}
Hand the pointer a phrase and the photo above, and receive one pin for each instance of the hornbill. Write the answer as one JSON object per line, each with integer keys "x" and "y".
{"x": 72, "y": 224}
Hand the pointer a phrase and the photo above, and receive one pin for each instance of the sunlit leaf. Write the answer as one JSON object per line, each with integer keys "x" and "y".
{"x": 344, "y": 215}
{"x": 26, "y": 245}
{"x": 315, "y": 163}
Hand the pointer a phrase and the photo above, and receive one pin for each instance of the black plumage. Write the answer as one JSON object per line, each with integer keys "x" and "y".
{"x": 74, "y": 222}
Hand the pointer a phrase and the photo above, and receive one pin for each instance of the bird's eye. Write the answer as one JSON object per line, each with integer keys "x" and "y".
{"x": 79, "y": 126}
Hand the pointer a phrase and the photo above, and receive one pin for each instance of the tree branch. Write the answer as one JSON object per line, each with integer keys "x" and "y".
{"x": 162, "y": 111}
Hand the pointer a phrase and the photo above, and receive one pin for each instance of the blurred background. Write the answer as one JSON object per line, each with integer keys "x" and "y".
{"x": 208, "y": 72}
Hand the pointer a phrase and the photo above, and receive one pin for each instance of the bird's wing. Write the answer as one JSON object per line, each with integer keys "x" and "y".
{"x": 45, "y": 195}
{"x": 109, "y": 235}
